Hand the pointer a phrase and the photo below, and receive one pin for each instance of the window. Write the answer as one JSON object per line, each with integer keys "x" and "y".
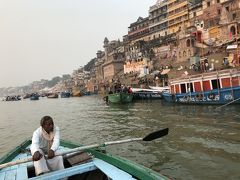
{"x": 227, "y": 8}
{"x": 188, "y": 43}
{"x": 226, "y": 82}
{"x": 234, "y": 16}
{"x": 177, "y": 88}
{"x": 194, "y": 14}
{"x": 180, "y": 54}
{"x": 191, "y": 87}
{"x": 206, "y": 86}
{"x": 183, "y": 88}
{"x": 197, "y": 87}
{"x": 208, "y": 4}
{"x": 215, "y": 84}
{"x": 219, "y": 11}
{"x": 218, "y": 1}
{"x": 192, "y": 42}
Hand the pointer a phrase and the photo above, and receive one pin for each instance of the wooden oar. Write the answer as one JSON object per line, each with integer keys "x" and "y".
{"x": 149, "y": 137}
{"x": 227, "y": 103}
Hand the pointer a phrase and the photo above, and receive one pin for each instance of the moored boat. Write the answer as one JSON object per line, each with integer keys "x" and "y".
{"x": 65, "y": 94}
{"x": 52, "y": 95}
{"x": 149, "y": 94}
{"x": 34, "y": 97}
{"x": 217, "y": 87}
{"x": 88, "y": 164}
{"x": 160, "y": 89}
{"x": 120, "y": 97}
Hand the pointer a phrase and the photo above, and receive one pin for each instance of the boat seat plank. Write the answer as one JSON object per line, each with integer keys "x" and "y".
{"x": 2, "y": 175}
{"x": 22, "y": 173}
{"x": 11, "y": 174}
{"x": 112, "y": 171}
{"x": 79, "y": 169}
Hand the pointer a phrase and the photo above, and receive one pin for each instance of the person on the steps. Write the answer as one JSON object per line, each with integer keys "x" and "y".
{"x": 45, "y": 141}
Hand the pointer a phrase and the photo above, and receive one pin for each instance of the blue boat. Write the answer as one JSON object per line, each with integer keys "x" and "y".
{"x": 65, "y": 94}
{"x": 34, "y": 97}
{"x": 217, "y": 87}
{"x": 146, "y": 94}
{"x": 90, "y": 162}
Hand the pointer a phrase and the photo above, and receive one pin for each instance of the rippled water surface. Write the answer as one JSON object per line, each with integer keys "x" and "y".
{"x": 202, "y": 143}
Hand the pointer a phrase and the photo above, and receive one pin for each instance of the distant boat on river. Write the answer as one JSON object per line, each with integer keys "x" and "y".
{"x": 34, "y": 97}
{"x": 52, "y": 95}
{"x": 13, "y": 98}
{"x": 217, "y": 87}
{"x": 161, "y": 89}
{"x": 65, "y": 94}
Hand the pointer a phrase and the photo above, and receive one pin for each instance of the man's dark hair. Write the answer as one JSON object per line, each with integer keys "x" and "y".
{"x": 44, "y": 119}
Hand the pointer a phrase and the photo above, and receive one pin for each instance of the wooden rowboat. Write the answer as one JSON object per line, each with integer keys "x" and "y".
{"x": 120, "y": 97}
{"x": 92, "y": 163}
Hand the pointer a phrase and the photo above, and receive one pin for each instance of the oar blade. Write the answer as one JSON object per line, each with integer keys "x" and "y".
{"x": 156, "y": 135}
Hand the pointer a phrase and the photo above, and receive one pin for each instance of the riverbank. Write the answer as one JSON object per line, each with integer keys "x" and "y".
{"x": 173, "y": 69}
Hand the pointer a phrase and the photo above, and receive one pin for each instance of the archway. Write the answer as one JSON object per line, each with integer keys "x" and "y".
{"x": 188, "y": 43}
{"x": 233, "y": 30}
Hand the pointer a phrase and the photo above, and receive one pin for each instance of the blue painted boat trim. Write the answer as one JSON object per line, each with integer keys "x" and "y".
{"x": 221, "y": 96}
{"x": 111, "y": 171}
{"x": 90, "y": 166}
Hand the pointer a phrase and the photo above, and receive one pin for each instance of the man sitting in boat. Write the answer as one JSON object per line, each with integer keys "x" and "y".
{"x": 45, "y": 141}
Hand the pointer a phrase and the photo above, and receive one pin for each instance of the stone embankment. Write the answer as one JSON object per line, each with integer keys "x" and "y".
{"x": 177, "y": 69}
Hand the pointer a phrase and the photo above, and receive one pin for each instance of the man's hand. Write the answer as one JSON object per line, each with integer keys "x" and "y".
{"x": 37, "y": 155}
{"x": 51, "y": 154}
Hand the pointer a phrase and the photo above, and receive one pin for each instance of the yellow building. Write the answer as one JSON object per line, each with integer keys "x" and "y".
{"x": 177, "y": 15}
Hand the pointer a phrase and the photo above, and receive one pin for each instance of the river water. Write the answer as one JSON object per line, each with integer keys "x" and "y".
{"x": 203, "y": 143}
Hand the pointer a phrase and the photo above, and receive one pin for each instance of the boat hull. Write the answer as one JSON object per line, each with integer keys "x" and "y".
{"x": 147, "y": 95}
{"x": 222, "y": 96}
{"x": 120, "y": 98}
{"x": 65, "y": 94}
{"x": 215, "y": 87}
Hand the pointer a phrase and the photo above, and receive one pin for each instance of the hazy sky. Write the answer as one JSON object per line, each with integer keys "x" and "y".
{"x": 40, "y": 39}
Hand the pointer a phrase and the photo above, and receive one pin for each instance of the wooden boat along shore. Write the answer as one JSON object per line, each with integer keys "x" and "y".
{"x": 120, "y": 97}
{"x": 90, "y": 164}
{"x": 217, "y": 87}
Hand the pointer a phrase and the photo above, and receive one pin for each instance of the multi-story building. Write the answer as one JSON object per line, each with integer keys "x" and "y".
{"x": 114, "y": 59}
{"x": 195, "y": 11}
{"x": 98, "y": 66}
{"x": 138, "y": 30}
{"x": 230, "y": 19}
{"x": 158, "y": 22}
{"x": 137, "y": 49}
{"x": 177, "y": 15}
{"x": 137, "y": 33}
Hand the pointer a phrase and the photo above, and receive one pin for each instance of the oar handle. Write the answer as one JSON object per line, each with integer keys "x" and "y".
{"x": 12, "y": 163}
